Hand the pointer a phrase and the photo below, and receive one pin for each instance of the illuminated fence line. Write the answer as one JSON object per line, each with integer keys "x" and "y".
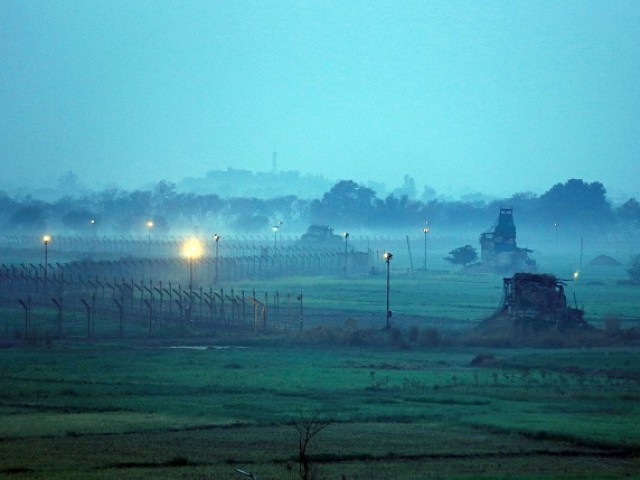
{"x": 166, "y": 245}
{"x": 208, "y": 269}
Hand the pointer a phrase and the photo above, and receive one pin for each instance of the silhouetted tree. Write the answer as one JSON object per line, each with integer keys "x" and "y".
{"x": 131, "y": 210}
{"x": 397, "y": 211}
{"x": 577, "y": 202}
{"x": 629, "y": 212}
{"x": 7, "y": 205}
{"x": 308, "y": 426}
{"x": 29, "y": 218}
{"x": 347, "y": 203}
{"x": 634, "y": 268}
{"x": 462, "y": 256}
{"x": 249, "y": 215}
{"x": 78, "y": 220}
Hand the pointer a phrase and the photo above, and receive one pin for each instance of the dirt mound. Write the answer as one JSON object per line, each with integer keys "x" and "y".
{"x": 604, "y": 260}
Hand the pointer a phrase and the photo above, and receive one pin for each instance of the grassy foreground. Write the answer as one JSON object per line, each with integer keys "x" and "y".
{"x": 136, "y": 410}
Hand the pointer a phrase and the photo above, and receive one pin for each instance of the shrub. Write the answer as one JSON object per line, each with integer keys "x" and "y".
{"x": 612, "y": 325}
{"x": 414, "y": 334}
{"x": 429, "y": 337}
{"x": 634, "y": 268}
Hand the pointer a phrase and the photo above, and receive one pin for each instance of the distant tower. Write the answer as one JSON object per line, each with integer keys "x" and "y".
{"x": 274, "y": 161}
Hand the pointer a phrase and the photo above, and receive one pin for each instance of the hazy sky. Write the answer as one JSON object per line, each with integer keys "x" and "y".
{"x": 491, "y": 96}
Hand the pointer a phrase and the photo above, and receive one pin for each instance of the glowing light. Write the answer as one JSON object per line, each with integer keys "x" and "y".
{"x": 425, "y": 230}
{"x": 193, "y": 248}
{"x": 388, "y": 256}
{"x": 576, "y": 275}
{"x": 46, "y": 239}
{"x": 150, "y": 224}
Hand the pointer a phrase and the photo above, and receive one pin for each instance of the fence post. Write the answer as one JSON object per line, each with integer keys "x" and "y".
{"x": 88, "y": 308}
{"x": 120, "y": 315}
{"x": 150, "y": 315}
{"x": 301, "y": 298}
{"x": 27, "y": 315}
{"x": 58, "y": 303}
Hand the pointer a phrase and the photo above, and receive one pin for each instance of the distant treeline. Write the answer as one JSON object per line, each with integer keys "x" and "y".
{"x": 347, "y": 205}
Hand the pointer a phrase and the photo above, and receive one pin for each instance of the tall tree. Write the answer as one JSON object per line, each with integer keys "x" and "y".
{"x": 629, "y": 212}
{"x": 577, "y": 202}
{"x": 347, "y": 203}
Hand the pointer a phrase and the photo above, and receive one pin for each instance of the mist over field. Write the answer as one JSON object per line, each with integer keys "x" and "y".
{"x": 319, "y": 240}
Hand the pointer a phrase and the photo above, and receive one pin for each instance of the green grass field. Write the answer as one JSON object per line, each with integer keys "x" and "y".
{"x": 452, "y": 299}
{"x": 138, "y": 407}
{"x": 147, "y": 411}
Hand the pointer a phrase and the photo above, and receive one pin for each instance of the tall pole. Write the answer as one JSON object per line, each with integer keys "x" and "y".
{"x": 192, "y": 250}
{"x": 149, "y": 227}
{"x": 46, "y": 239}
{"x": 275, "y": 238}
{"x": 46, "y": 260}
{"x": 217, "y": 239}
{"x": 94, "y": 230}
{"x": 346, "y": 251}
{"x": 388, "y": 256}
{"x": 425, "y": 230}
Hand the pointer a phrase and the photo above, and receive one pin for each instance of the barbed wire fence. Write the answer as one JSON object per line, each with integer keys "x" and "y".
{"x": 122, "y": 297}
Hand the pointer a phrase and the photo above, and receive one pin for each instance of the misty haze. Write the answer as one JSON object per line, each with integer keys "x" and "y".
{"x": 319, "y": 240}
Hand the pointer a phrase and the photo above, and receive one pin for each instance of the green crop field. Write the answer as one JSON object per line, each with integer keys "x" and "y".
{"x": 145, "y": 410}
{"x": 201, "y": 402}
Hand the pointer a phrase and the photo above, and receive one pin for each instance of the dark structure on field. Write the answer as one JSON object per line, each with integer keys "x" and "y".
{"x": 320, "y": 235}
{"x": 498, "y": 248}
{"x": 538, "y": 301}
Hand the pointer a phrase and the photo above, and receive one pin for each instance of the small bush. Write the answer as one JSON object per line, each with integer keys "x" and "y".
{"x": 233, "y": 366}
{"x": 612, "y": 325}
{"x": 395, "y": 336}
{"x": 429, "y": 337}
{"x": 414, "y": 334}
{"x": 178, "y": 461}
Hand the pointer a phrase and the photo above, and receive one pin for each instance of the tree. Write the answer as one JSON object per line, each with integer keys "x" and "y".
{"x": 634, "y": 268}
{"x": 397, "y": 211}
{"x": 347, "y": 203}
{"x": 78, "y": 220}
{"x": 577, "y": 202}
{"x": 31, "y": 217}
{"x": 462, "y": 256}
{"x": 308, "y": 426}
{"x": 629, "y": 212}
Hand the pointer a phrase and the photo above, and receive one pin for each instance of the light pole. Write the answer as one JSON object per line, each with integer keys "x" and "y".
{"x": 149, "y": 227}
{"x": 425, "y": 230}
{"x": 94, "y": 234}
{"x": 46, "y": 239}
{"x": 216, "y": 237}
{"x": 387, "y": 258}
{"x": 555, "y": 226}
{"x": 275, "y": 229}
{"x": 192, "y": 250}
{"x": 346, "y": 251}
